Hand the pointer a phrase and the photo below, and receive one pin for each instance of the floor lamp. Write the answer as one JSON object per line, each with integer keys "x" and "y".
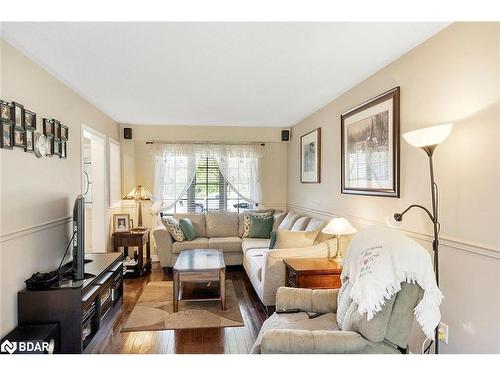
{"x": 427, "y": 139}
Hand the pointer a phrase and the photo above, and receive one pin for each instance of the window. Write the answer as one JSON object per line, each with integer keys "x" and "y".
{"x": 209, "y": 191}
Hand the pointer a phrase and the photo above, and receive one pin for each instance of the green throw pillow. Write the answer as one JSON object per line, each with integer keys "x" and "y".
{"x": 273, "y": 240}
{"x": 261, "y": 227}
{"x": 187, "y": 228}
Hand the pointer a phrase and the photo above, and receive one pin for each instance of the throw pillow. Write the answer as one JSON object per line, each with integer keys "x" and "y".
{"x": 261, "y": 226}
{"x": 174, "y": 229}
{"x": 187, "y": 228}
{"x": 273, "y": 240}
{"x": 278, "y": 218}
{"x": 247, "y": 221}
{"x": 286, "y": 239}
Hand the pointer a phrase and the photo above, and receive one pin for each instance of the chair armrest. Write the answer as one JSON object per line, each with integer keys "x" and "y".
{"x": 163, "y": 241}
{"x": 294, "y": 341}
{"x": 318, "y": 301}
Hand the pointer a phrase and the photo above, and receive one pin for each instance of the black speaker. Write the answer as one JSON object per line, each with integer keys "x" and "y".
{"x": 285, "y": 135}
{"x": 127, "y": 133}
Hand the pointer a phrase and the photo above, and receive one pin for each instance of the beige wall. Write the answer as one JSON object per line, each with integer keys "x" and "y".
{"x": 37, "y": 195}
{"x": 452, "y": 77}
{"x": 137, "y": 160}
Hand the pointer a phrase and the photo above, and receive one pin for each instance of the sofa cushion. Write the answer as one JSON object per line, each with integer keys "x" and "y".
{"x": 286, "y": 239}
{"x": 222, "y": 224}
{"x": 197, "y": 243}
{"x": 300, "y": 223}
{"x": 278, "y": 218}
{"x": 254, "y": 259}
{"x": 198, "y": 221}
{"x": 288, "y": 221}
{"x": 247, "y": 220}
{"x": 260, "y": 227}
{"x": 316, "y": 224}
{"x": 241, "y": 218}
{"x": 254, "y": 243}
{"x": 187, "y": 228}
{"x": 174, "y": 229}
{"x": 226, "y": 244}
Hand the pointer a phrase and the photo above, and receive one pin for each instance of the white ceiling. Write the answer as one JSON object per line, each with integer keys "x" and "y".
{"x": 235, "y": 74}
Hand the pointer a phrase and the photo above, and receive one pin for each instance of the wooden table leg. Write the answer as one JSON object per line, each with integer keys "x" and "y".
{"x": 148, "y": 254}
{"x": 176, "y": 291}
{"x": 222, "y": 287}
{"x": 140, "y": 260}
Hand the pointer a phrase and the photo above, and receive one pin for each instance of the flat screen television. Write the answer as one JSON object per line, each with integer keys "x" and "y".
{"x": 78, "y": 262}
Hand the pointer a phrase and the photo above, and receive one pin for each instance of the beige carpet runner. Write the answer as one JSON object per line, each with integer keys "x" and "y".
{"x": 154, "y": 311}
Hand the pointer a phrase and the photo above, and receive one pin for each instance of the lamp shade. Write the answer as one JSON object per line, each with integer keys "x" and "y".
{"x": 339, "y": 226}
{"x": 139, "y": 194}
{"x": 430, "y": 136}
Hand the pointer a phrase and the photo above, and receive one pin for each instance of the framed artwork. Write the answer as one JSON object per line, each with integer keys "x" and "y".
{"x": 57, "y": 129}
{"x": 64, "y": 132}
{"x": 370, "y": 147}
{"x": 64, "y": 151}
{"x": 6, "y": 140}
{"x": 30, "y": 140}
{"x": 57, "y": 147}
{"x": 50, "y": 146}
{"x": 18, "y": 114}
{"x": 310, "y": 157}
{"x": 121, "y": 222}
{"x": 5, "y": 110}
{"x": 19, "y": 137}
{"x": 29, "y": 120}
{"x": 48, "y": 127}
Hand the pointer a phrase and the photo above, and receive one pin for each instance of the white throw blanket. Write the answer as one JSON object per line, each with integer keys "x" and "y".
{"x": 379, "y": 259}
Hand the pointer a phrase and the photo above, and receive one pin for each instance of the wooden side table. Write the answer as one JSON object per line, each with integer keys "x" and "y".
{"x": 138, "y": 239}
{"x": 312, "y": 273}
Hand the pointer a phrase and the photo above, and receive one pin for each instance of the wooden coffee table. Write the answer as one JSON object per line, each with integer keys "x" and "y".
{"x": 197, "y": 266}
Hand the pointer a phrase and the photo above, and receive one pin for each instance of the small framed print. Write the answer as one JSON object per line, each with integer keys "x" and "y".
{"x": 19, "y": 137}
{"x": 50, "y": 146}
{"x": 64, "y": 132}
{"x": 57, "y": 147}
{"x": 121, "y": 222}
{"x": 18, "y": 114}
{"x": 48, "y": 127}
{"x": 5, "y": 110}
{"x": 57, "y": 129}
{"x": 30, "y": 140}
{"x": 6, "y": 140}
{"x": 29, "y": 120}
{"x": 64, "y": 150}
{"x": 310, "y": 157}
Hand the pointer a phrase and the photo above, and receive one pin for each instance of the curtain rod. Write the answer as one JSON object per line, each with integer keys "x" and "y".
{"x": 204, "y": 143}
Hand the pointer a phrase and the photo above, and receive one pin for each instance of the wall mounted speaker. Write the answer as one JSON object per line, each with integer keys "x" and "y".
{"x": 285, "y": 135}
{"x": 127, "y": 133}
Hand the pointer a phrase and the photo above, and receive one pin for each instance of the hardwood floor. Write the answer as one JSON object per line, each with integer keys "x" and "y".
{"x": 234, "y": 340}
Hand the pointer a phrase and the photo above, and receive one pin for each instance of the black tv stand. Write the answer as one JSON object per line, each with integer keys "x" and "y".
{"x": 82, "y": 309}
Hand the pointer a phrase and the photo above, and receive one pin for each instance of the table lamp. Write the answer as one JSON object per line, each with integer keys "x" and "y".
{"x": 339, "y": 227}
{"x": 138, "y": 194}
{"x": 427, "y": 139}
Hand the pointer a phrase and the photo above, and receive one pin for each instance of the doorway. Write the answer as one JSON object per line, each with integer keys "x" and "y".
{"x": 94, "y": 189}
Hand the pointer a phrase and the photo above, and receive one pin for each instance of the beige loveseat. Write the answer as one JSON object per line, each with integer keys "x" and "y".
{"x": 224, "y": 230}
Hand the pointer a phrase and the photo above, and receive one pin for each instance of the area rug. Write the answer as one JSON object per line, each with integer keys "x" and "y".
{"x": 154, "y": 311}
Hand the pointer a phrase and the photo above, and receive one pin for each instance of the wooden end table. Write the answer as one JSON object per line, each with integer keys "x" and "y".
{"x": 135, "y": 239}
{"x": 312, "y": 273}
{"x": 197, "y": 266}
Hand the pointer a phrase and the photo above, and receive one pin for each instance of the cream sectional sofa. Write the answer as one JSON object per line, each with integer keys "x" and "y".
{"x": 224, "y": 230}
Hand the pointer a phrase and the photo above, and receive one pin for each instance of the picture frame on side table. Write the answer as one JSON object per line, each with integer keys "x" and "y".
{"x": 6, "y": 135}
{"x": 370, "y": 147}
{"x": 121, "y": 223}
{"x": 310, "y": 157}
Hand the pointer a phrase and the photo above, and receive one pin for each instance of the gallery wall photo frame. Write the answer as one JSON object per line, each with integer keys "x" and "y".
{"x": 6, "y": 135}
{"x": 370, "y": 147}
{"x": 310, "y": 157}
{"x": 18, "y": 114}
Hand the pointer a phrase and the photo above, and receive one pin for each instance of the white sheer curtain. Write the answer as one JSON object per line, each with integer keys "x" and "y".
{"x": 175, "y": 168}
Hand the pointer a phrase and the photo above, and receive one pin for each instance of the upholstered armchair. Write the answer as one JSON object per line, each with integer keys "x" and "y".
{"x": 387, "y": 332}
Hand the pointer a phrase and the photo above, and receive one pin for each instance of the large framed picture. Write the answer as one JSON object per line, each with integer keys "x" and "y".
{"x": 310, "y": 157}
{"x": 370, "y": 147}
{"x": 121, "y": 222}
